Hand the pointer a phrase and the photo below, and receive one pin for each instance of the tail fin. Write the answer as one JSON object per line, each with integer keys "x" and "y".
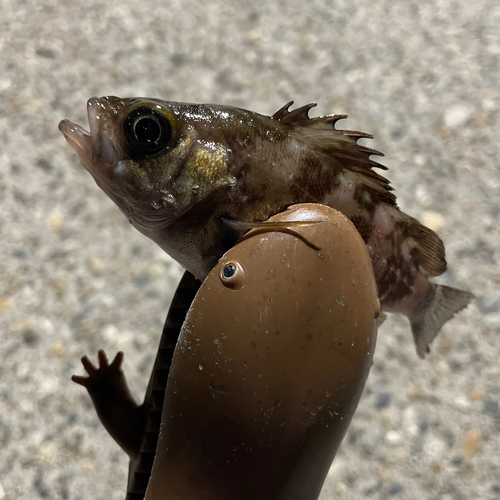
{"x": 445, "y": 303}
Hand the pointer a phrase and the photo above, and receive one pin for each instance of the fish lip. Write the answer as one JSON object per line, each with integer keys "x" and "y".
{"x": 82, "y": 141}
{"x": 79, "y": 139}
{"x": 103, "y": 151}
{"x": 94, "y": 149}
{"x": 96, "y": 154}
{"x": 93, "y": 117}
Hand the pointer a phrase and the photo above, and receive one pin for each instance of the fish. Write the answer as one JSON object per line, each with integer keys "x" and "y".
{"x": 194, "y": 177}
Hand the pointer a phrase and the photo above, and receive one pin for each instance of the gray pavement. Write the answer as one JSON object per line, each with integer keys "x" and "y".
{"x": 422, "y": 76}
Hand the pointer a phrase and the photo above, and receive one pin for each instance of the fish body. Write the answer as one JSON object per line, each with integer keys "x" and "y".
{"x": 180, "y": 171}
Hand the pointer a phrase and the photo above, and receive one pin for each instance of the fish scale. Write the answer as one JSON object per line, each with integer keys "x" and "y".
{"x": 140, "y": 471}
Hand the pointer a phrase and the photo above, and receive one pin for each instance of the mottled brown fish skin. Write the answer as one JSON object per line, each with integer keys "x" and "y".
{"x": 199, "y": 164}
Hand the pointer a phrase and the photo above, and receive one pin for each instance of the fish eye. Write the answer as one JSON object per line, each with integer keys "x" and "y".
{"x": 147, "y": 130}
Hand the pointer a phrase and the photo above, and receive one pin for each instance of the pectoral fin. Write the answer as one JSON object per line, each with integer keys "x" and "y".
{"x": 268, "y": 226}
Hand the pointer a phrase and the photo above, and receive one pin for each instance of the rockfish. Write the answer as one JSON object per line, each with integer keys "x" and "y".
{"x": 179, "y": 172}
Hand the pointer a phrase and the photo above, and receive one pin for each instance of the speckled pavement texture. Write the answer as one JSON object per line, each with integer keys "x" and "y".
{"x": 422, "y": 76}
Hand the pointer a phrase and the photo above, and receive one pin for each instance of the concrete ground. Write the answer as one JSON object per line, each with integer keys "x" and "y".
{"x": 422, "y": 76}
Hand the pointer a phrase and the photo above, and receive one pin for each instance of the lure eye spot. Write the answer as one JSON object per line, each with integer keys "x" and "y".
{"x": 229, "y": 271}
{"x": 146, "y": 130}
{"x": 232, "y": 275}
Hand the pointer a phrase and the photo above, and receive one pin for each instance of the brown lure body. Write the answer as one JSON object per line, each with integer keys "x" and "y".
{"x": 270, "y": 365}
{"x": 268, "y": 370}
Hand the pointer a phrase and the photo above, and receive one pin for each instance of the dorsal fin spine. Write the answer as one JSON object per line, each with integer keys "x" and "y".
{"x": 321, "y": 133}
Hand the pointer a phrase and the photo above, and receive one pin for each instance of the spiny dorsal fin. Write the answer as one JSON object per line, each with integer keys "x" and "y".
{"x": 342, "y": 145}
{"x": 284, "y": 115}
{"x": 300, "y": 116}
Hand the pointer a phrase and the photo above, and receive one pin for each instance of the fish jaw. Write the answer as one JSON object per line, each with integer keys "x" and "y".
{"x": 80, "y": 140}
{"x": 95, "y": 149}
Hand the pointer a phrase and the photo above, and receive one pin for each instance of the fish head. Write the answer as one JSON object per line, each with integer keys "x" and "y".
{"x": 151, "y": 157}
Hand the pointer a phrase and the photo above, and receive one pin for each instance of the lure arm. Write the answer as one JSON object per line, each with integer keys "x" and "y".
{"x": 112, "y": 400}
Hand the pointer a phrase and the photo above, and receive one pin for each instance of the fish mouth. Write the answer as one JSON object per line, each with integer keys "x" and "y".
{"x": 95, "y": 148}
{"x": 80, "y": 140}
